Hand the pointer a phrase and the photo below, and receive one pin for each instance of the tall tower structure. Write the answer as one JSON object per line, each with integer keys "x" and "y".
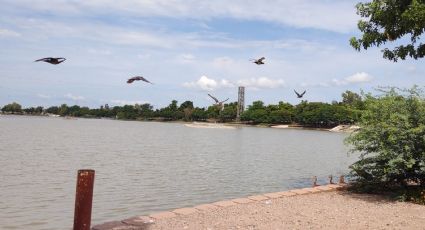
{"x": 241, "y": 102}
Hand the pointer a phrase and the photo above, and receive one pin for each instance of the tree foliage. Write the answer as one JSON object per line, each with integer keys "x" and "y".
{"x": 313, "y": 114}
{"x": 229, "y": 112}
{"x": 12, "y": 108}
{"x": 352, "y": 99}
{"x": 389, "y": 20}
{"x": 391, "y": 140}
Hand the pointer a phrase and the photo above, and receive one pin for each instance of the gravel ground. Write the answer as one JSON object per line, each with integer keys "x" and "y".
{"x": 326, "y": 210}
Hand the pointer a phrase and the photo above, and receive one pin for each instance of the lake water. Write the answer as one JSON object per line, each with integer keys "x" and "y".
{"x": 146, "y": 167}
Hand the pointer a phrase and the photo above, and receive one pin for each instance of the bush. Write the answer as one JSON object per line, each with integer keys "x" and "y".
{"x": 391, "y": 140}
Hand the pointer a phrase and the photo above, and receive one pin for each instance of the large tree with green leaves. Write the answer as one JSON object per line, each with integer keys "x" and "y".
{"x": 12, "y": 108}
{"x": 390, "y": 20}
{"x": 391, "y": 141}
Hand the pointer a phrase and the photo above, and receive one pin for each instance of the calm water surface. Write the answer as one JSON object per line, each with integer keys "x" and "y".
{"x": 145, "y": 167}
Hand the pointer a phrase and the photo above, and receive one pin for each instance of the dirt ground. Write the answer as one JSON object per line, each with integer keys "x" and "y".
{"x": 326, "y": 210}
{"x": 296, "y": 209}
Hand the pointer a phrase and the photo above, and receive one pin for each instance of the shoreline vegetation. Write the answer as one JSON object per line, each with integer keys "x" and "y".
{"x": 309, "y": 115}
{"x": 209, "y": 124}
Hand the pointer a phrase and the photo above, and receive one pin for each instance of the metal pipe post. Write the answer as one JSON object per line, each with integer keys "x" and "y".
{"x": 83, "y": 199}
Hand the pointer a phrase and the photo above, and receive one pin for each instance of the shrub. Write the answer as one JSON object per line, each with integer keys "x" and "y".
{"x": 391, "y": 140}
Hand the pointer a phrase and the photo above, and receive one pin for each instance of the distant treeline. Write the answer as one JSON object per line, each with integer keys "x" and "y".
{"x": 315, "y": 114}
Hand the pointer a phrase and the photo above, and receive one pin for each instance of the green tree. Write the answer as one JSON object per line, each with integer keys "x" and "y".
{"x": 391, "y": 140}
{"x": 229, "y": 112}
{"x": 12, "y": 108}
{"x": 144, "y": 111}
{"x": 199, "y": 114}
{"x": 389, "y": 20}
{"x": 352, "y": 99}
{"x": 187, "y": 109}
{"x": 53, "y": 110}
{"x": 63, "y": 110}
{"x": 74, "y": 111}
{"x": 283, "y": 115}
{"x": 186, "y": 104}
{"x": 256, "y": 113}
{"x": 30, "y": 110}
{"x": 213, "y": 112}
{"x": 170, "y": 112}
{"x": 39, "y": 109}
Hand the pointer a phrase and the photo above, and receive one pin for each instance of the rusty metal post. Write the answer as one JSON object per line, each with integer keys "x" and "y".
{"x": 83, "y": 199}
{"x": 315, "y": 181}
{"x": 341, "y": 179}
{"x": 331, "y": 179}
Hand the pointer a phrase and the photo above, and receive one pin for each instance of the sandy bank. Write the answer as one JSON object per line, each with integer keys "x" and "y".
{"x": 209, "y": 125}
{"x": 280, "y": 126}
{"x": 345, "y": 128}
{"x": 287, "y": 210}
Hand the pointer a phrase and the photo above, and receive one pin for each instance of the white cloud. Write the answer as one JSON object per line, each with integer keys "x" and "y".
{"x": 320, "y": 84}
{"x": 356, "y": 78}
{"x": 44, "y": 96}
{"x": 411, "y": 69}
{"x": 223, "y": 62}
{"x": 74, "y": 97}
{"x": 186, "y": 58}
{"x": 9, "y": 33}
{"x": 143, "y": 56}
{"x": 336, "y": 16}
{"x": 359, "y": 78}
{"x": 208, "y": 84}
{"x": 127, "y": 102}
{"x": 262, "y": 83}
{"x": 40, "y": 29}
{"x": 99, "y": 51}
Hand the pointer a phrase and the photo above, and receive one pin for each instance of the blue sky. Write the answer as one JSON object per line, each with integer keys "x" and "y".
{"x": 187, "y": 48}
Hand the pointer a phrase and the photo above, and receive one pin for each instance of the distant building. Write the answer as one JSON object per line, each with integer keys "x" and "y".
{"x": 241, "y": 102}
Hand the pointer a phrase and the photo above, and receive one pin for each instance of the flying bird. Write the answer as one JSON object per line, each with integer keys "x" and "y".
{"x": 52, "y": 60}
{"x": 258, "y": 61}
{"x": 299, "y": 95}
{"x": 138, "y": 78}
{"x": 217, "y": 102}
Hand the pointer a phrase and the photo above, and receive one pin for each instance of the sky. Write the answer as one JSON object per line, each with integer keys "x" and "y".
{"x": 187, "y": 49}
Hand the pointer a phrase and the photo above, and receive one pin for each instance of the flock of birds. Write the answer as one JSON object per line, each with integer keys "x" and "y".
{"x": 218, "y": 103}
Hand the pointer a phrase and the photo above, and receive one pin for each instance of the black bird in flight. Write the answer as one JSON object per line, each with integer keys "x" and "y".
{"x": 217, "y": 102}
{"x": 52, "y": 60}
{"x": 138, "y": 78}
{"x": 299, "y": 95}
{"x": 258, "y": 61}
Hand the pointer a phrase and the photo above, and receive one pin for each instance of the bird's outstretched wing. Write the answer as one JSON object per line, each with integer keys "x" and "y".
{"x": 43, "y": 59}
{"x": 138, "y": 78}
{"x": 261, "y": 59}
{"x": 52, "y": 60}
{"x": 144, "y": 79}
{"x": 303, "y": 93}
{"x": 131, "y": 80}
{"x": 299, "y": 95}
{"x": 215, "y": 99}
{"x": 224, "y": 100}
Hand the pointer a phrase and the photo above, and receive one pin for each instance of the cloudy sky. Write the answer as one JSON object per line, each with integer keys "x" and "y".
{"x": 187, "y": 48}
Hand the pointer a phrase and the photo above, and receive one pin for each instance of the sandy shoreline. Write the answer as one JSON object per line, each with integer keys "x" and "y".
{"x": 207, "y": 123}
{"x": 307, "y": 208}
